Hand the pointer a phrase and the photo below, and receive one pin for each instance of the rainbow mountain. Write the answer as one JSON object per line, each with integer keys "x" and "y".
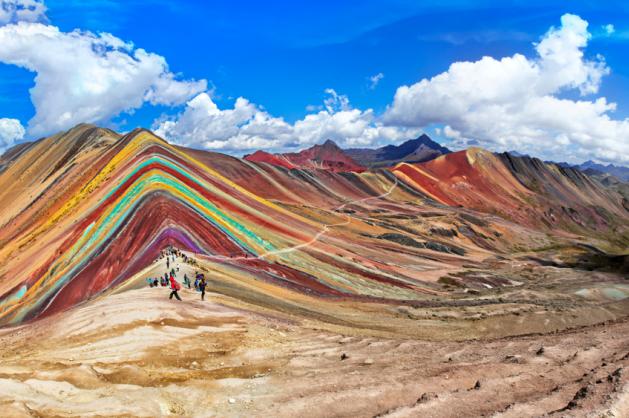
{"x": 84, "y": 211}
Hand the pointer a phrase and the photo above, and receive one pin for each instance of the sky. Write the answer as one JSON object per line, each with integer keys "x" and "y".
{"x": 544, "y": 78}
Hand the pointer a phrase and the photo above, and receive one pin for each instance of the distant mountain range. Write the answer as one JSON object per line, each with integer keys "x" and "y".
{"x": 590, "y": 167}
{"x": 329, "y": 156}
{"x": 412, "y": 151}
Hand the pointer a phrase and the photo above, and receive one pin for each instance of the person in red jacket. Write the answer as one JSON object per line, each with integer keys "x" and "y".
{"x": 175, "y": 287}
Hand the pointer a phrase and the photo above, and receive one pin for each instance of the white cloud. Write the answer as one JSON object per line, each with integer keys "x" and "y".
{"x": 515, "y": 102}
{"x": 448, "y": 132}
{"x": 374, "y": 80}
{"x": 247, "y": 126}
{"x": 11, "y": 131}
{"x": 609, "y": 29}
{"x": 336, "y": 102}
{"x": 12, "y": 11}
{"x": 509, "y": 103}
{"x": 86, "y": 77}
{"x": 313, "y": 108}
{"x": 561, "y": 60}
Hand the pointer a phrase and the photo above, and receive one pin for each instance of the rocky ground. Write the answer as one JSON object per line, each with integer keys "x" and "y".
{"x": 135, "y": 353}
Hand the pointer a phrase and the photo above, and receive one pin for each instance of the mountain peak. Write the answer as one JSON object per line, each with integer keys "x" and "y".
{"x": 330, "y": 144}
{"x": 417, "y": 150}
{"x": 615, "y": 170}
{"x": 424, "y": 139}
{"x": 326, "y": 156}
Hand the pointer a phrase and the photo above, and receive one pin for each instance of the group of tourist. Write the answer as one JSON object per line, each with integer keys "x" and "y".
{"x": 172, "y": 254}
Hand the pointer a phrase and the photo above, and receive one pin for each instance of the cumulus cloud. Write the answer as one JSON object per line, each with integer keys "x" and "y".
{"x": 609, "y": 29}
{"x": 247, "y": 126}
{"x": 12, "y": 11}
{"x": 11, "y": 131}
{"x": 516, "y": 102}
{"x": 374, "y": 80}
{"x": 86, "y": 77}
{"x": 510, "y": 103}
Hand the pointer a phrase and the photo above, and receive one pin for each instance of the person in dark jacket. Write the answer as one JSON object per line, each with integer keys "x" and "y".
{"x": 175, "y": 287}
{"x": 202, "y": 285}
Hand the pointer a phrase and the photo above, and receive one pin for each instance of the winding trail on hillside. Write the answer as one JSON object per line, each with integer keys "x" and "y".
{"x": 323, "y": 231}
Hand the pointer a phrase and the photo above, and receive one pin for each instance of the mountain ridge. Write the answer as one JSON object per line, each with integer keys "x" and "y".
{"x": 417, "y": 150}
{"x": 329, "y": 156}
{"x": 84, "y": 210}
{"x": 326, "y": 156}
{"x": 621, "y": 172}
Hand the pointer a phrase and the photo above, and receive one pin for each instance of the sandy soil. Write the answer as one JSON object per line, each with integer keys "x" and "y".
{"x": 136, "y": 353}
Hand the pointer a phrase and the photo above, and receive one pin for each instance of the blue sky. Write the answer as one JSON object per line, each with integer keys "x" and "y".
{"x": 282, "y": 56}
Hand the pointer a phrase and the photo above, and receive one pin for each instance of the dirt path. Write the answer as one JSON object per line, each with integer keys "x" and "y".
{"x": 323, "y": 231}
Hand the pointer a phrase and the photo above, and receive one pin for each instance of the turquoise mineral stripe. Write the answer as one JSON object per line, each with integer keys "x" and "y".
{"x": 161, "y": 160}
{"x": 66, "y": 260}
{"x": 19, "y": 294}
{"x": 168, "y": 181}
{"x": 122, "y": 210}
{"x": 182, "y": 171}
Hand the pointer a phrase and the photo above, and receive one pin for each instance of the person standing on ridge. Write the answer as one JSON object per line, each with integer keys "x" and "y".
{"x": 174, "y": 286}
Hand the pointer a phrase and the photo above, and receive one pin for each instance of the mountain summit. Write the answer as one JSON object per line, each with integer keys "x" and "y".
{"x": 591, "y": 167}
{"x": 416, "y": 150}
{"x": 327, "y": 156}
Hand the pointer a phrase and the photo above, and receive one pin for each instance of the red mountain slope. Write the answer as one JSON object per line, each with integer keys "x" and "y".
{"x": 327, "y": 156}
{"x": 522, "y": 189}
{"x": 266, "y": 157}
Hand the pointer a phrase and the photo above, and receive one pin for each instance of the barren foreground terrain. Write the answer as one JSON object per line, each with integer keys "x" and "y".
{"x": 136, "y": 353}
